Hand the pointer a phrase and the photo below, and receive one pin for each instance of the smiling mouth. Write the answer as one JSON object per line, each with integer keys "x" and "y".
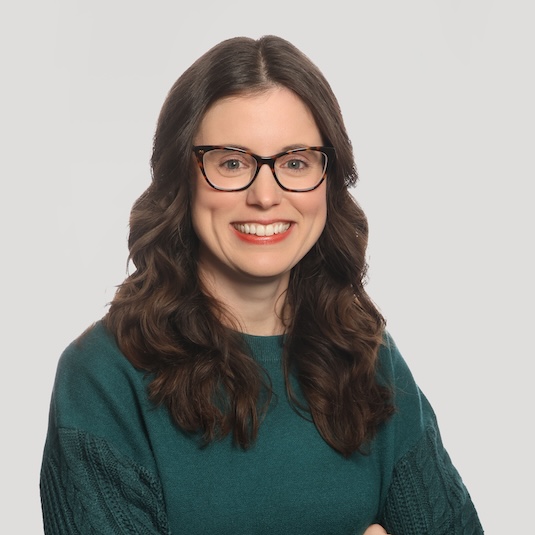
{"x": 261, "y": 230}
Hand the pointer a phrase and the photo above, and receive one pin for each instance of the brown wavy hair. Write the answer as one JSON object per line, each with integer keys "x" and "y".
{"x": 165, "y": 321}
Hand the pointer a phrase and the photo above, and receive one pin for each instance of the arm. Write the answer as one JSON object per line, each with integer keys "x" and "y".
{"x": 424, "y": 493}
{"x": 427, "y": 494}
{"x": 88, "y": 487}
{"x": 98, "y": 472}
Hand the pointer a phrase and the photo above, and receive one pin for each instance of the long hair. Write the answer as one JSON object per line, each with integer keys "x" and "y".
{"x": 164, "y": 320}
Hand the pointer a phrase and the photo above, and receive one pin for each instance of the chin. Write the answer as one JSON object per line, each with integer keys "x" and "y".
{"x": 266, "y": 273}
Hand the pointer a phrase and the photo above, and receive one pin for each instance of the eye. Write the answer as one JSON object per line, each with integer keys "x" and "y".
{"x": 228, "y": 162}
{"x": 295, "y": 164}
{"x": 298, "y": 162}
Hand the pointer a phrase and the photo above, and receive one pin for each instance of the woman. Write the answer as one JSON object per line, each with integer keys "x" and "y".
{"x": 242, "y": 380}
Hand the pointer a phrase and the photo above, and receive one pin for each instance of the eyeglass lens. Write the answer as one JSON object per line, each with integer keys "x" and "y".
{"x": 233, "y": 169}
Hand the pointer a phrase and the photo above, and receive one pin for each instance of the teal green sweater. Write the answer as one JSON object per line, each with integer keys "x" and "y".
{"x": 113, "y": 463}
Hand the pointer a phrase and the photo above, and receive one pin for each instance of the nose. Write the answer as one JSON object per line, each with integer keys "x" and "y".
{"x": 264, "y": 191}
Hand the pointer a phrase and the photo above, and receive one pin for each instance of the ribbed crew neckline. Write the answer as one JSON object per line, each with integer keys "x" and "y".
{"x": 265, "y": 348}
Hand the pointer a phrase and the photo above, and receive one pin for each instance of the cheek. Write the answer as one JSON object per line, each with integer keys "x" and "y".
{"x": 211, "y": 209}
{"x": 204, "y": 199}
{"x": 315, "y": 208}
{"x": 202, "y": 209}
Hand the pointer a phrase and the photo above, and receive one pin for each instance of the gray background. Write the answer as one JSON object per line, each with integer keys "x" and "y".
{"x": 438, "y": 100}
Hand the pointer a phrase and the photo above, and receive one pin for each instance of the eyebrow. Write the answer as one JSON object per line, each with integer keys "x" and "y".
{"x": 283, "y": 149}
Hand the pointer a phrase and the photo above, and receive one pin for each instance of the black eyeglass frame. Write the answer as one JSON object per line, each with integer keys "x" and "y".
{"x": 201, "y": 150}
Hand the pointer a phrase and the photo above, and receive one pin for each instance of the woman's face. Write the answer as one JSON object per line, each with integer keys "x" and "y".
{"x": 266, "y": 124}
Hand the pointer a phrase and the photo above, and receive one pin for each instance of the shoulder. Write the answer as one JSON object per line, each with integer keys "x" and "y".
{"x": 93, "y": 360}
{"x": 414, "y": 414}
{"x": 93, "y": 351}
{"x": 97, "y": 390}
{"x": 392, "y": 367}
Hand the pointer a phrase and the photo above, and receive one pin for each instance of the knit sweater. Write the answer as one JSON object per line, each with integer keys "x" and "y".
{"x": 114, "y": 463}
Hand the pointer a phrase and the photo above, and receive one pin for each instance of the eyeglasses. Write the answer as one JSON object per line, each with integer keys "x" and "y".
{"x": 232, "y": 169}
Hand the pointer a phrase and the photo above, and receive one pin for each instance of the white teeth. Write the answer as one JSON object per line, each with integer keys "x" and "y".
{"x": 262, "y": 230}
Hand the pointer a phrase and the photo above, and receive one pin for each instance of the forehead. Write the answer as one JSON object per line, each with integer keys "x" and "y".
{"x": 275, "y": 117}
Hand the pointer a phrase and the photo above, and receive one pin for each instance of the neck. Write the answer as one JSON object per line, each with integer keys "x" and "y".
{"x": 257, "y": 305}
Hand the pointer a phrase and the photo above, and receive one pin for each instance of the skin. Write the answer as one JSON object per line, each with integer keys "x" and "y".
{"x": 250, "y": 273}
{"x": 375, "y": 529}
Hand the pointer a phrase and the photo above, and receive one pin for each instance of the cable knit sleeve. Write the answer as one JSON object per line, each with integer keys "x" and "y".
{"x": 427, "y": 495}
{"x": 87, "y": 487}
